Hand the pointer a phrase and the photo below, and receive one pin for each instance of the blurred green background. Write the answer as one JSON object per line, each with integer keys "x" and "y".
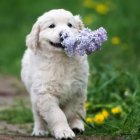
{"x": 120, "y": 18}
{"x": 114, "y": 71}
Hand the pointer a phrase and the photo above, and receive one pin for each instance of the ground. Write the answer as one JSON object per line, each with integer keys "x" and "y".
{"x": 11, "y": 92}
{"x": 5, "y": 137}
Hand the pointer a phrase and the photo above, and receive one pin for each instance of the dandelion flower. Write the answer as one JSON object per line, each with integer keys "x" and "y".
{"x": 115, "y": 40}
{"x": 87, "y": 105}
{"x": 88, "y": 19}
{"x": 102, "y": 9}
{"x": 88, "y": 4}
{"x": 116, "y": 110}
{"x": 105, "y": 113}
{"x": 89, "y": 119}
{"x": 99, "y": 118}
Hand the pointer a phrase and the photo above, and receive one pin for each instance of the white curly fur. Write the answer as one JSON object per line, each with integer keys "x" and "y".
{"x": 57, "y": 83}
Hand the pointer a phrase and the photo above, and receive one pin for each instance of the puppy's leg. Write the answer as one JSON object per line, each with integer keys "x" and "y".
{"x": 39, "y": 128}
{"x": 75, "y": 114}
{"x": 48, "y": 107}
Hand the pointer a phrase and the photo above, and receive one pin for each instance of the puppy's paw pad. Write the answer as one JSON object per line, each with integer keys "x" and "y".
{"x": 39, "y": 133}
{"x": 66, "y": 138}
{"x": 77, "y": 131}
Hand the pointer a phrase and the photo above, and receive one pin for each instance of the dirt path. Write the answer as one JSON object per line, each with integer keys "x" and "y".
{"x": 5, "y": 137}
{"x": 12, "y": 90}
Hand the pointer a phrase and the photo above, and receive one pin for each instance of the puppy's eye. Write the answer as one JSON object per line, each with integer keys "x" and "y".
{"x": 70, "y": 25}
{"x": 52, "y": 26}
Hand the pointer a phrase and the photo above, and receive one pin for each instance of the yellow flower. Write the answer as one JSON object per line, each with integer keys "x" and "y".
{"x": 88, "y": 19}
{"x": 89, "y": 119}
{"x": 102, "y": 8}
{"x": 115, "y": 40}
{"x": 87, "y": 105}
{"x": 99, "y": 119}
{"x": 105, "y": 113}
{"x": 89, "y": 3}
{"x": 116, "y": 110}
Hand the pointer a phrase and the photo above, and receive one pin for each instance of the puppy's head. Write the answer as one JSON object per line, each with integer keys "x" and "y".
{"x": 46, "y": 32}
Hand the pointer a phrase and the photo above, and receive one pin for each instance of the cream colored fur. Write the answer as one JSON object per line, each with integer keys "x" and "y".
{"x": 57, "y": 83}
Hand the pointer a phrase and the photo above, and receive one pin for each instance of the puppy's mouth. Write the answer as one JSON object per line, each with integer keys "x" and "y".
{"x": 57, "y": 45}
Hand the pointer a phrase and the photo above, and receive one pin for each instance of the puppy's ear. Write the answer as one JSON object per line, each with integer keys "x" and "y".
{"x": 32, "y": 39}
{"x": 79, "y": 22}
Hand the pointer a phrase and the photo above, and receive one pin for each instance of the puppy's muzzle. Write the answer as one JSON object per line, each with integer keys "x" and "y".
{"x": 58, "y": 45}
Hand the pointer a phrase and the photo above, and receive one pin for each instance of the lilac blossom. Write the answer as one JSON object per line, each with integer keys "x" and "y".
{"x": 86, "y": 42}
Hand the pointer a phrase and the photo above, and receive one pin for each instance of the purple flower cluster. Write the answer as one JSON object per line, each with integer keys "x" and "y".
{"x": 86, "y": 42}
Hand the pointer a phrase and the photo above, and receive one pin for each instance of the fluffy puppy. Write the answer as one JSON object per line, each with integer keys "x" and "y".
{"x": 57, "y": 83}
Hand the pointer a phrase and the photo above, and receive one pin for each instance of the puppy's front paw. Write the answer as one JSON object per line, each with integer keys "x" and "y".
{"x": 77, "y": 126}
{"x": 39, "y": 133}
{"x": 63, "y": 133}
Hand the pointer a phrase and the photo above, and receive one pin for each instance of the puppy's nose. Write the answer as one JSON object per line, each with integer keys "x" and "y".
{"x": 61, "y": 38}
{"x": 60, "y": 34}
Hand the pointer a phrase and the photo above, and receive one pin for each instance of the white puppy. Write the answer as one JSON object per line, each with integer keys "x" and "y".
{"x": 57, "y": 83}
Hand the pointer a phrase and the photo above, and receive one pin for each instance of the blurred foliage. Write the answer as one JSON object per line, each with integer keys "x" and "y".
{"x": 120, "y": 18}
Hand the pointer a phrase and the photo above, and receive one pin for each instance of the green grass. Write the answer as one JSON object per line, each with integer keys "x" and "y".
{"x": 114, "y": 71}
{"x": 17, "y": 114}
{"x": 109, "y": 88}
